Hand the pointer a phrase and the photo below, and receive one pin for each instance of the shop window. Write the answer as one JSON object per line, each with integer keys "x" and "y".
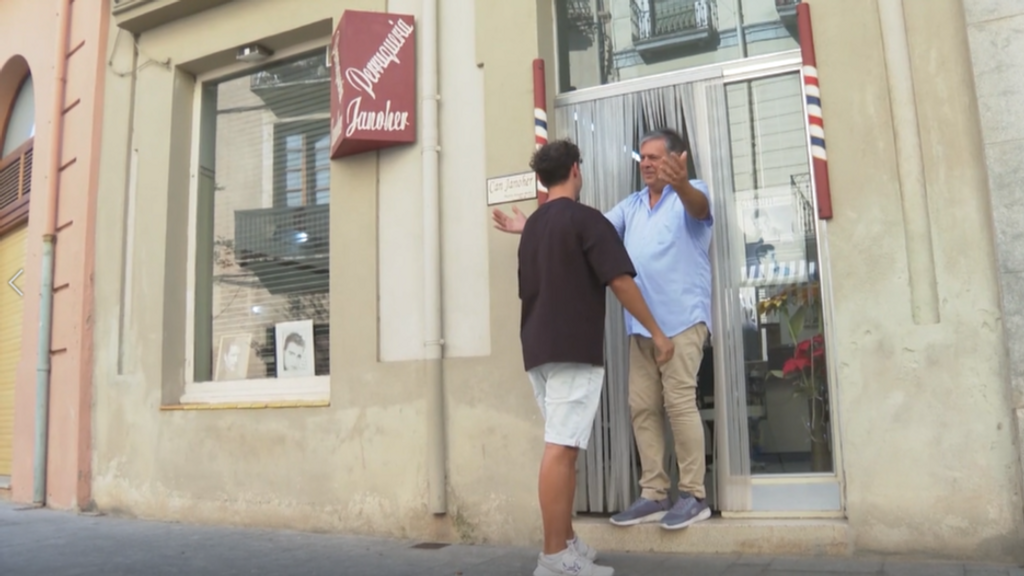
{"x": 16, "y": 155}
{"x": 606, "y": 41}
{"x": 262, "y": 306}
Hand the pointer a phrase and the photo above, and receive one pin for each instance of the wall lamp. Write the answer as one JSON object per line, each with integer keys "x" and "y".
{"x": 253, "y": 53}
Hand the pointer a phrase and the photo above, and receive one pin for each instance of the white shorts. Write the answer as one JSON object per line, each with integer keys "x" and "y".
{"x": 568, "y": 396}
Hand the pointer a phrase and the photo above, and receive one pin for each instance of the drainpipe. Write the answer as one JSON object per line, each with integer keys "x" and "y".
{"x": 46, "y": 277}
{"x": 433, "y": 340}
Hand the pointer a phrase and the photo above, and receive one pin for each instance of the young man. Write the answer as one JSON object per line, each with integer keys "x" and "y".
{"x": 568, "y": 254}
{"x": 667, "y": 230}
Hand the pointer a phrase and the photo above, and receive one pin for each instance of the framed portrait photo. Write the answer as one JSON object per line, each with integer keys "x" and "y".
{"x": 233, "y": 357}
{"x": 295, "y": 351}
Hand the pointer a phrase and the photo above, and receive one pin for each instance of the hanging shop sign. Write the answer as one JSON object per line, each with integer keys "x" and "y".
{"x": 373, "y": 82}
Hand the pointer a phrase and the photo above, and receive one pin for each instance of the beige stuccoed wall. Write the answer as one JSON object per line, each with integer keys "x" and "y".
{"x": 360, "y": 464}
{"x": 927, "y": 433}
{"x": 357, "y": 465}
{"x": 996, "y": 32}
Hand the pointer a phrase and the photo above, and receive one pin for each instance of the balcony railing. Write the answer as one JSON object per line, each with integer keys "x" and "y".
{"x": 786, "y": 9}
{"x": 287, "y": 248}
{"x": 307, "y": 70}
{"x": 580, "y": 15}
{"x": 659, "y": 24}
{"x": 298, "y": 88}
{"x": 807, "y": 218}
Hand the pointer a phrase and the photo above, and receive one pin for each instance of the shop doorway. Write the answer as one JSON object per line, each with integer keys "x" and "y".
{"x": 765, "y": 387}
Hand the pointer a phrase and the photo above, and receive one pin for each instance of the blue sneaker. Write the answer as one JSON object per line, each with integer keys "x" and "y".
{"x": 643, "y": 510}
{"x": 686, "y": 512}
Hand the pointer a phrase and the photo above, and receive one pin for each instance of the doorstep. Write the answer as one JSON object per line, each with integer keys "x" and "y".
{"x": 812, "y": 537}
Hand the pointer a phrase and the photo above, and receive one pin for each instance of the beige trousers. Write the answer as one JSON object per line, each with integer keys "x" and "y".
{"x": 669, "y": 389}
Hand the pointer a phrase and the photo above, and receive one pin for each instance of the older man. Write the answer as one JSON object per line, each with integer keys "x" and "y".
{"x": 666, "y": 228}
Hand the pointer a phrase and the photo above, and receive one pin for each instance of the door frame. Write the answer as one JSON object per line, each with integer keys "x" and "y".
{"x": 792, "y": 488}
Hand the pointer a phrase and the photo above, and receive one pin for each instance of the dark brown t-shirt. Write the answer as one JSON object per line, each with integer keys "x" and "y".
{"x": 568, "y": 253}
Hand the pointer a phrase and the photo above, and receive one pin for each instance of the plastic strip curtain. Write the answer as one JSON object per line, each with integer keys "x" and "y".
{"x": 606, "y": 133}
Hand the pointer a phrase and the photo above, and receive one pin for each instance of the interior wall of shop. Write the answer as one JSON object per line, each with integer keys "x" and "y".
{"x": 996, "y": 33}
{"x": 927, "y": 427}
{"x": 29, "y": 28}
{"x": 360, "y": 464}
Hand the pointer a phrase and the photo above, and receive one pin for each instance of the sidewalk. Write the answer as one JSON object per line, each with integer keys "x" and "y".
{"x": 41, "y": 542}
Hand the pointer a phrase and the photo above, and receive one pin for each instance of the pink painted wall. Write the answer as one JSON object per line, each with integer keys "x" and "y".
{"x": 29, "y": 28}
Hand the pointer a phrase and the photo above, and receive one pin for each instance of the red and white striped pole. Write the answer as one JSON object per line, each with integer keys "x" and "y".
{"x": 816, "y": 125}
{"x": 540, "y": 118}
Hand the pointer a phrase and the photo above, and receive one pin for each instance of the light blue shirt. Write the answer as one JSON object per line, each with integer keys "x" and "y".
{"x": 670, "y": 251}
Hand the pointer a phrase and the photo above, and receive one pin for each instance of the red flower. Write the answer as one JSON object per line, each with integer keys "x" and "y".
{"x": 813, "y": 347}
{"x": 795, "y": 364}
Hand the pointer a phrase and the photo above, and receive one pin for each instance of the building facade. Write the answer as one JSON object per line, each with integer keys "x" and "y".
{"x": 303, "y": 320}
{"x": 51, "y": 99}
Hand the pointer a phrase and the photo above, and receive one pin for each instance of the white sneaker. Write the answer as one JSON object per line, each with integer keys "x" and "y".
{"x": 569, "y": 563}
{"x": 583, "y": 549}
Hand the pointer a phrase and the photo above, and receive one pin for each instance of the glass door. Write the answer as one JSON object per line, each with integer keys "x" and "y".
{"x": 764, "y": 388}
{"x": 778, "y": 418}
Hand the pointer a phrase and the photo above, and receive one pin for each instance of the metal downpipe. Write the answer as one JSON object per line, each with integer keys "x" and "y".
{"x": 42, "y": 400}
{"x": 433, "y": 339}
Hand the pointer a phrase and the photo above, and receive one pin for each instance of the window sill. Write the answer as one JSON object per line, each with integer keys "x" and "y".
{"x": 267, "y": 393}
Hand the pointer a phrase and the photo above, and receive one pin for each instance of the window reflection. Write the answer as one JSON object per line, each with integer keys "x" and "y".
{"x": 605, "y": 41}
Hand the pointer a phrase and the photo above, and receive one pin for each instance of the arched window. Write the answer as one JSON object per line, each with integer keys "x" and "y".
{"x": 21, "y": 125}
{"x": 19, "y": 130}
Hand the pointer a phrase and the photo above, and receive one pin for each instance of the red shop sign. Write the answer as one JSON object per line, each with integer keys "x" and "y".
{"x": 373, "y": 82}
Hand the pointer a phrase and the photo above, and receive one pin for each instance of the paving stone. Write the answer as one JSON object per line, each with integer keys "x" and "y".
{"x": 37, "y": 542}
{"x": 831, "y": 565}
{"x": 894, "y": 568}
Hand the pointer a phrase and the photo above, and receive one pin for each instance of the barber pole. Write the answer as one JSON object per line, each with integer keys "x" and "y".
{"x": 816, "y": 125}
{"x": 540, "y": 118}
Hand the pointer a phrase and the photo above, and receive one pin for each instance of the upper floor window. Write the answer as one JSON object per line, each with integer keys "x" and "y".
{"x": 606, "y": 41}
{"x": 21, "y": 124}
{"x": 263, "y": 236}
{"x": 302, "y": 163}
